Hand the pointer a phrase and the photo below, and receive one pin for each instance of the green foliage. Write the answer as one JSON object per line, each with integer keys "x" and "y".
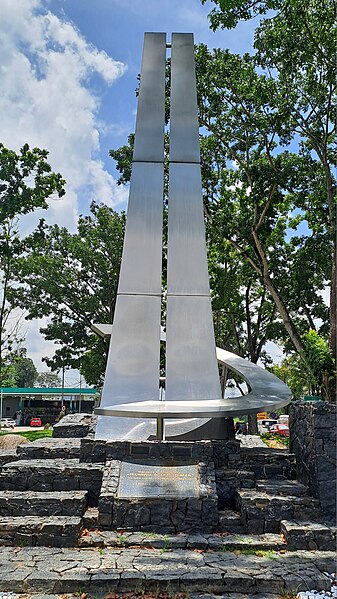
{"x": 17, "y": 172}
{"x": 227, "y": 13}
{"x": 30, "y": 435}
{"x": 26, "y": 183}
{"x": 253, "y": 108}
{"x": 123, "y": 157}
{"x": 252, "y": 206}
{"x": 321, "y": 366}
{"x": 294, "y": 373}
{"x": 280, "y": 438}
{"x": 72, "y": 279}
{"x": 25, "y": 370}
{"x": 312, "y": 373}
{"x": 48, "y": 379}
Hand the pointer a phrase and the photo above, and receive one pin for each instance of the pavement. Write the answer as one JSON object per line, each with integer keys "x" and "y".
{"x": 250, "y": 440}
{"x": 62, "y": 570}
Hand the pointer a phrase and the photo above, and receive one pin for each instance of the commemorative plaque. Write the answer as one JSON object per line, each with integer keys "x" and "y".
{"x": 158, "y": 480}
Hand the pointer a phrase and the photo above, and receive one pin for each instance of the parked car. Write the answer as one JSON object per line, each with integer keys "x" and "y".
{"x": 264, "y": 425}
{"x": 279, "y": 429}
{"x": 35, "y": 422}
{"x": 7, "y": 423}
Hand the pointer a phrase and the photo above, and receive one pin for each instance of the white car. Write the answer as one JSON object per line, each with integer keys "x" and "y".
{"x": 264, "y": 425}
{"x": 7, "y": 423}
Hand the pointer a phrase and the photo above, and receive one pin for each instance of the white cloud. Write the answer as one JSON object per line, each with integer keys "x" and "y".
{"x": 46, "y": 100}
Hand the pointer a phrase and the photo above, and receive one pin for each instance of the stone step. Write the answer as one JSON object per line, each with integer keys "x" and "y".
{"x": 269, "y": 463}
{"x": 50, "y": 448}
{"x": 90, "y": 518}
{"x": 205, "y": 542}
{"x": 51, "y": 531}
{"x": 227, "y": 480}
{"x": 263, "y": 512}
{"x": 281, "y": 487}
{"x": 65, "y": 570}
{"x": 52, "y": 475}
{"x": 230, "y": 521}
{"x": 309, "y": 535}
{"x": 43, "y": 503}
{"x": 7, "y": 455}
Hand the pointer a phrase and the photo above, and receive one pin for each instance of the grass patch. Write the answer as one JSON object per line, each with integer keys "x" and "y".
{"x": 272, "y": 438}
{"x": 269, "y": 553}
{"x": 31, "y": 435}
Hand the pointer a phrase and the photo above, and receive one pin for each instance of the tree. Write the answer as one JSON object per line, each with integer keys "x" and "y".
{"x": 48, "y": 379}
{"x": 269, "y": 190}
{"x": 297, "y": 46}
{"x": 72, "y": 279}
{"x": 25, "y": 370}
{"x": 26, "y": 183}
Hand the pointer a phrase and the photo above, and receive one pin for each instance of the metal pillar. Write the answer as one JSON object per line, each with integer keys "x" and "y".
{"x": 191, "y": 365}
{"x": 132, "y": 371}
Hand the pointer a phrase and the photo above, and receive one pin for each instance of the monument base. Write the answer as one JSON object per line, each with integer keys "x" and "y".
{"x": 148, "y": 495}
{"x": 166, "y": 486}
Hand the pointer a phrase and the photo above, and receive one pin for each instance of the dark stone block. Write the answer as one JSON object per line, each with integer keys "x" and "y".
{"x": 193, "y": 512}
{"x": 181, "y": 452}
{"x": 255, "y": 526}
{"x": 160, "y": 513}
{"x": 75, "y": 425}
{"x": 140, "y": 450}
{"x": 142, "y": 517}
{"x": 210, "y": 514}
{"x": 105, "y": 504}
{"x": 119, "y": 509}
{"x": 105, "y": 520}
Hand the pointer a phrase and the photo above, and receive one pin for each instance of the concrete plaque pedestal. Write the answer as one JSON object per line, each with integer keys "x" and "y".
{"x": 148, "y": 494}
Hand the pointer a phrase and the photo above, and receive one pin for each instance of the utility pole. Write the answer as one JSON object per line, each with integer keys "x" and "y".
{"x": 79, "y": 402}
{"x": 62, "y": 396}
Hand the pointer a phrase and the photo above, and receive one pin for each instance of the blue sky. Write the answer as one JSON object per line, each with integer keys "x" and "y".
{"x": 67, "y": 77}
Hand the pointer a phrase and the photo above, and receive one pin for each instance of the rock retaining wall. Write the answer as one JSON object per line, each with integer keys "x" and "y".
{"x": 222, "y": 453}
{"x": 313, "y": 429}
{"x": 75, "y": 425}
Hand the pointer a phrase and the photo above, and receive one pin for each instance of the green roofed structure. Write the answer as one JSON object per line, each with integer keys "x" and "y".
{"x": 45, "y": 402}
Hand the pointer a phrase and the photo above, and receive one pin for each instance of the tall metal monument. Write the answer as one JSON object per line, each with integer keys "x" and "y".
{"x": 132, "y": 372}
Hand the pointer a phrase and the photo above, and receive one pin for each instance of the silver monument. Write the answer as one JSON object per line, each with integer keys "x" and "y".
{"x": 193, "y": 407}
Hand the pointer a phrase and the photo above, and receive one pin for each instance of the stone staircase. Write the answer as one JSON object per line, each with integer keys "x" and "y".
{"x": 265, "y": 499}
{"x": 44, "y": 494}
{"x": 267, "y": 527}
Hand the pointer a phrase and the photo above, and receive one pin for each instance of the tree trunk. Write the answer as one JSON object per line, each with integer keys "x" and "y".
{"x": 333, "y": 307}
{"x": 252, "y": 424}
{"x": 333, "y": 324}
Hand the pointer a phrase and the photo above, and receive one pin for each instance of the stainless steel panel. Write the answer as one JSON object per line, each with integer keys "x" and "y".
{"x": 149, "y": 140}
{"x": 142, "y": 252}
{"x": 191, "y": 365}
{"x": 184, "y": 127}
{"x": 132, "y": 371}
{"x": 187, "y": 260}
